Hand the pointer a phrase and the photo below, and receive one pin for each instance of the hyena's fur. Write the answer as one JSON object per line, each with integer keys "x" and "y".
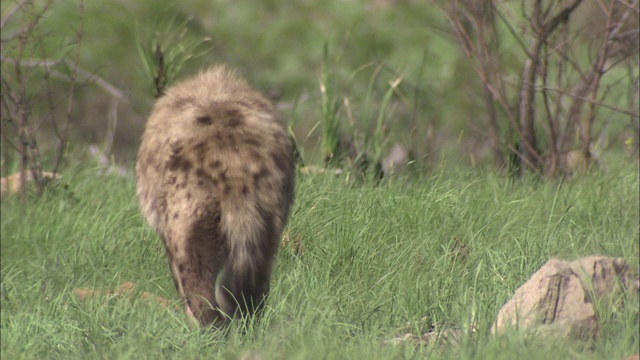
{"x": 215, "y": 179}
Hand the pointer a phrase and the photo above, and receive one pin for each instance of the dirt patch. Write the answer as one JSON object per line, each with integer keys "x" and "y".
{"x": 125, "y": 290}
{"x": 12, "y": 184}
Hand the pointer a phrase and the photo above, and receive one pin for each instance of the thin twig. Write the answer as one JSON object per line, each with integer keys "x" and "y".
{"x": 551, "y": 120}
{"x": 11, "y": 11}
{"x": 62, "y": 140}
{"x": 83, "y": 75}
{"x": 585, "y": 134}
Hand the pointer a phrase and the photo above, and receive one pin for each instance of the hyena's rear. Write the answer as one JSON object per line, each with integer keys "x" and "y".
{"x": 215, "y": 179}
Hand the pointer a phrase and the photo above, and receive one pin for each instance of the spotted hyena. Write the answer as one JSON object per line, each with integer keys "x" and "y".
{"x": 215, "y": 179}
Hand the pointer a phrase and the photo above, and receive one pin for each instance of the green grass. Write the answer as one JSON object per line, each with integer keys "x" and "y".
{"x": 374, "y": 258}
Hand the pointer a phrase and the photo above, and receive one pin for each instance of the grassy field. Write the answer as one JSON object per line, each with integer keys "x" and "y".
{"x": 370, "y": 259}
{"x": 360, "y": 260}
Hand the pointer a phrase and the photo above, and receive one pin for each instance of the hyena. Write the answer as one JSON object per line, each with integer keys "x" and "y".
{"x": 215, "y": 179}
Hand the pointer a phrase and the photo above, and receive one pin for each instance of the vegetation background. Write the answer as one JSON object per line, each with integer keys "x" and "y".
{"x": 437, "y": 110}
{"x": 440, "y": 246}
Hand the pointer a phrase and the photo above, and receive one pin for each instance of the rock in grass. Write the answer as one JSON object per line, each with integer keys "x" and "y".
{"x": 396, "y": 160}
{"x": 559, "y": 298}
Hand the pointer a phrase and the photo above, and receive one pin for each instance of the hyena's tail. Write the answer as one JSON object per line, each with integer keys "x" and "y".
{"x": 253, "y": 241}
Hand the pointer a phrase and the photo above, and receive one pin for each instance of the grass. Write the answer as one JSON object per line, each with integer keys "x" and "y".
{"x": 330, "y": 122}
{"x": 373, "y": 258}
{"x": 449, "y": 248}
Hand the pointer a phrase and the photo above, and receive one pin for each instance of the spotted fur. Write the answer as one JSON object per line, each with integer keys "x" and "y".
{"x": 215, "y": 179}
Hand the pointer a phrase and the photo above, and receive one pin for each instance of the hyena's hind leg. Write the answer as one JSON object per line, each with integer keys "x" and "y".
{"x": 245, "y": 280}
{"x": 195, "y": 265}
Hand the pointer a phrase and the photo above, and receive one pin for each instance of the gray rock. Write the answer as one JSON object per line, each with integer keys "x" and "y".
{"x": 397, "y": 158}
{"x": 558, "y": 299}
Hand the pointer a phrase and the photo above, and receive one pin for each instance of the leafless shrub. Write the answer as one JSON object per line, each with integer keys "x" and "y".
{"x": 29, "y": 98}
{"x": 560, "y": 95}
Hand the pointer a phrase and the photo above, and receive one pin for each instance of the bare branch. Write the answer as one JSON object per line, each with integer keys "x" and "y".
{"x": 82, "y": 75}
{"x": 551, "y": 120}
{"x": 551, "y": 68}
{"x": 511, "y": 29}
{"x": 72, "y": 91}
{"x": 563, "y": 16}
{"x": 21, "y": 91}
{"x": 11, "y": 11}
{"x": 599, "y": 69}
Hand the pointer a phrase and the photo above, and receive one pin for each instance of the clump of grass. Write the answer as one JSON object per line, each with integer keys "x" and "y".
{"x": 369, "y": 136}
{"x": 330, "y": 123}
{"x": 450, "y": 248}
{"x": 165, "y": 51}
{"x": 298, "y": 151}
{"x": 376, "y": 142}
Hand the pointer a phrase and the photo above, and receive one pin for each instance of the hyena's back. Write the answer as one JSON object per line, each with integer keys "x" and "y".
{"x": 215, "y": 179}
